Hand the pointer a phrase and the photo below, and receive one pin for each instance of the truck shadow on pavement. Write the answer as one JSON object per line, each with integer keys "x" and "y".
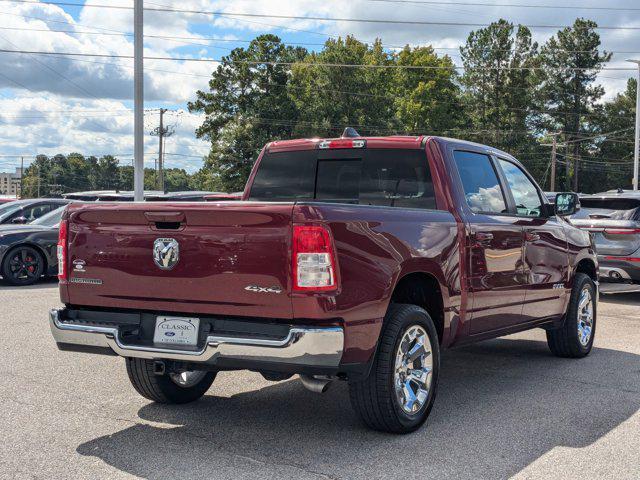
{"x": 501, "y": 405}
{"x": 631, "y": 299}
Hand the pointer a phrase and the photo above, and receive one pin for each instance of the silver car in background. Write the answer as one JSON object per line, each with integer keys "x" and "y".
{"x": 613, "y": 218}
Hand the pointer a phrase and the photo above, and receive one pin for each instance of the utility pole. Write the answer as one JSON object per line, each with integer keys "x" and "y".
{"x": 554, "y": 153}
{"x": 38, "y": 181}
{"x": 576, "y": 169}
{"x": 162, "y": 132}
{"x": 567, "y": 164}
{"x": 21, "y": 175}
{"x": 554, "y": 147}
{"x": 138, "y": 77}
{"x": 636, "y": 151}
{"x": 160, "y": 137}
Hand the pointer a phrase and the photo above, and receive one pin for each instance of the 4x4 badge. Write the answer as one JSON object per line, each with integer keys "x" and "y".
{"x": 257, "y": 289}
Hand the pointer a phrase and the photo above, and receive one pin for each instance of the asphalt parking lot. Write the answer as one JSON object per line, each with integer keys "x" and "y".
{"x": 505, "y": 409}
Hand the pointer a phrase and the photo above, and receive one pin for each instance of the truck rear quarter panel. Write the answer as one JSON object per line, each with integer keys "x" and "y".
{"x": 373, "y": 253}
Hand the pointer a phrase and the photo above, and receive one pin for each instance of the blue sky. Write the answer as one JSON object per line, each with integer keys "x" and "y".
{"x": 59, "y": 105}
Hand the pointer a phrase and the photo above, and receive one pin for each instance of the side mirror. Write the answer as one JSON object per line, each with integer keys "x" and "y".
{"x": 19, "y": 220}
{"x": 567, "y": 203}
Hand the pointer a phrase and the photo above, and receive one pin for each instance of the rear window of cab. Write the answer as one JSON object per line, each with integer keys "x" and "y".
{"x": 383, "y": 177}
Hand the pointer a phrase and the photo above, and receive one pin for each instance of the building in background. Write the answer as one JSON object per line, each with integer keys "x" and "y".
{"x": 10, "y": 183}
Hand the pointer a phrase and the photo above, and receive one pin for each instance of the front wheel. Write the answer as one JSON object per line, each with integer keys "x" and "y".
{"x": 399, "y": 392}
{"x": 176, "y": 388}
{"x": 575, "y": 338}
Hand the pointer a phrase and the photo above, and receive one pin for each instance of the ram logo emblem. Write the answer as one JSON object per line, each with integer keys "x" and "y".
{"x": 166, "y": 253}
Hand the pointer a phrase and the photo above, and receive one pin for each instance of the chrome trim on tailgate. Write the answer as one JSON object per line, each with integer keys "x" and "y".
{"x": 321, "y": 347}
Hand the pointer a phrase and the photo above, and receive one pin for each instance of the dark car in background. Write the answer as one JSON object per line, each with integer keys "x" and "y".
{"x": 108, "y": 195}
{"x": 27, "y": 252}
{"x": 26, "y": 211}
{"x": 224, "y": 197}
{"x": 128, "y": 196}
{"x": 188, "y": 196}
{"x": 613, "y": 218}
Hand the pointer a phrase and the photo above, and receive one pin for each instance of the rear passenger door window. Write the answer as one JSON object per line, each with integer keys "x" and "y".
{"x": 397, "y": 178}
{"x": 482, "y": 189}
{"x": 525, "y": 194}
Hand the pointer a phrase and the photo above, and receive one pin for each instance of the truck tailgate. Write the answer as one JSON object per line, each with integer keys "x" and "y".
{"x": 228, "y": 254}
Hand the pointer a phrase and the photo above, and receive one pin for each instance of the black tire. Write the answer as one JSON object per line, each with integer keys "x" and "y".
{"x": 374, "y": 398}
{"x": 161, "y": 388}
{"x": 22, "y": 266}
{"x": 565, "y": 341}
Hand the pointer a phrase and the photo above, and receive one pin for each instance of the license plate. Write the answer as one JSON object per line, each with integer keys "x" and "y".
{"x": 176, "y": 330}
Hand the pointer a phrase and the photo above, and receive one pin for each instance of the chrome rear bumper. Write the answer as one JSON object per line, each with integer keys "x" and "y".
{"x": 307, "y": 347}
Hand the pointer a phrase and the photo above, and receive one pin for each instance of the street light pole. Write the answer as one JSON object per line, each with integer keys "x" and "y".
{"x": 636, "y": 152}
{"x": 138, "y": 78}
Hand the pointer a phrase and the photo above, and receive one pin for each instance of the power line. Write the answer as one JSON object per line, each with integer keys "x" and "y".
{"x": 314, "y": 64}
{"x": 388, "y": 97}
{"x": 410, "y": 2}
{"x": 190, "y": 40}
{"x": 51, "y": 69}
{"x": 314, "y": 18}
{"x": 365, "y": 20}
{"x": 186, "y": 38}
{"x": 510, "y": 5}
{"x": 598, "y": 136}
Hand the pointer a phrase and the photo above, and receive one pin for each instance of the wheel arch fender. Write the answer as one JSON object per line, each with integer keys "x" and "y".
{"x": 585, "y": 263}
{"x": 423, "y": 282}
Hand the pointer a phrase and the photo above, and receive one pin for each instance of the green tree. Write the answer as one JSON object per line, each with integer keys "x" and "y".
{"x": 247, "y": 105}
{"x": 500, "y": 85}
{"x": 427, "y": 100}
{"x": 176, "y": 180}
{"x": 571, "y": 61}
{"x": 107, "y": 174}
{"x": 35, "y": 176}
{"x": 615, "y": 149}
{"x": 329, "y": 98}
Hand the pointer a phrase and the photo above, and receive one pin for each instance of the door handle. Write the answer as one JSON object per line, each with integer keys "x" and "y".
{"x": 531, "y": 237}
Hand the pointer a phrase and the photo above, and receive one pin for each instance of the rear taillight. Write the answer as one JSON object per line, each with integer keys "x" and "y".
{"x": 624, "y": 259}
{"x": 622, "y": 231}
{"x": 62, "y": 249}
{"x": 314, "y": 263}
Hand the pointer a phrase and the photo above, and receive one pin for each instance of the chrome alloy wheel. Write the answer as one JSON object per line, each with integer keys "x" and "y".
{"x": 187, "y": 379}
{"x": 413, "y": 370}
{"x": 585, "y": 316}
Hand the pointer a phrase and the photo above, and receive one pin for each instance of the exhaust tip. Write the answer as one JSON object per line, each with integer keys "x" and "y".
{"x": 315, "y": 385}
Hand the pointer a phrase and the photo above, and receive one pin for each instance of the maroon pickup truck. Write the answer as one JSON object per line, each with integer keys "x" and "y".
{"x": 353, "y": 259}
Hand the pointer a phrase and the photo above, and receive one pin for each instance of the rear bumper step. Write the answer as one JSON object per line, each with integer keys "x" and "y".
{"x": 302, "y": 346}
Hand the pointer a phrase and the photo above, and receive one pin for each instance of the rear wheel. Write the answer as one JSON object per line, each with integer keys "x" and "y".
{"x": 181, "y": 387}
{"x": 23, "y": 266}
{"x": 575, "y": 338}
{"x": 399, "y": 392}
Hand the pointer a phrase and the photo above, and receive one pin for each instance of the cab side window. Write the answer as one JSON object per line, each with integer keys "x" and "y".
{"x": 482, "y": 188}
{"x": 525, "y": 194}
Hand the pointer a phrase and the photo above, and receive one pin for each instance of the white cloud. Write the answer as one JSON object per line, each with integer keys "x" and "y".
{"x": 33, "y": 120}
